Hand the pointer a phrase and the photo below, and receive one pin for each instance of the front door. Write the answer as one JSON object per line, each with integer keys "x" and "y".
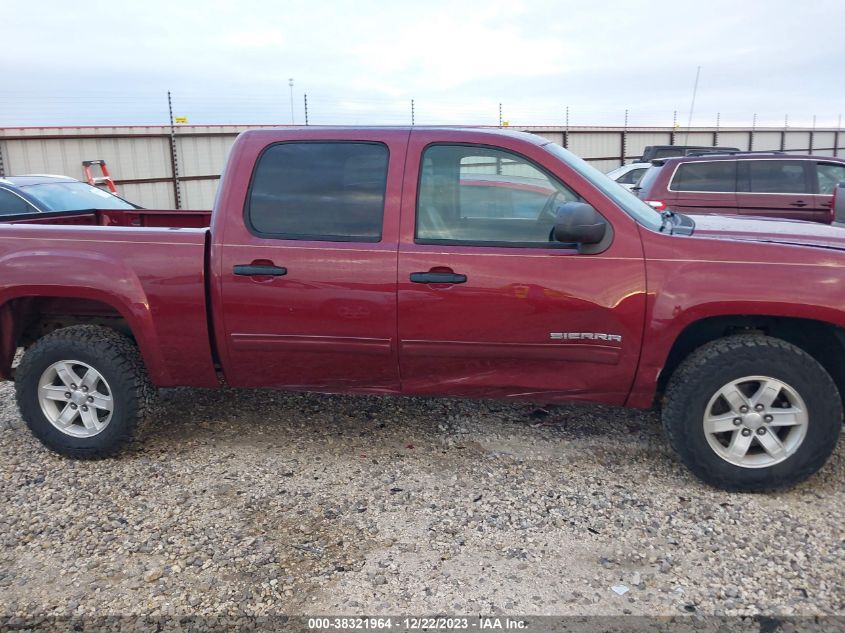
{"x": 488, "y": 305}
{"x": 827, "y": 176}
{"x": 308, "y": 273}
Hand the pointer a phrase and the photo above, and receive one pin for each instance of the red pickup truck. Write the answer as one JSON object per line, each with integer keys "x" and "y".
{"x": 451, "y": 262}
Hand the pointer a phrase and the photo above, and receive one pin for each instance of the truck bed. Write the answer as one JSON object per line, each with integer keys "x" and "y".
{"x": 146, "y": 267}
{"x": 113, "y": 217}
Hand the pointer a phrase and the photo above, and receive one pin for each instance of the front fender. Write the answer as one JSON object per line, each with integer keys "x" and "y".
{"x": 684, "y": 292}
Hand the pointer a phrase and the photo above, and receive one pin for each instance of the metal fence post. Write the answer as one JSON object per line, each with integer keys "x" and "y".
{"x": 674, "y": 127}
{"x": 305, "y": 100}
{"x": 500, "y": 115}
{"x": 566, "y": 130}
{"x": 783, "y": 132}
{"x": 716, "y": 131}
{"x": 174, "y": 161}
{"x": 624, "y": 139}
{"x": 412, "y": 112}
{"x": 2, "y": 166}
{"x": 751, "y": 133}
{"x": 812, "y": 134}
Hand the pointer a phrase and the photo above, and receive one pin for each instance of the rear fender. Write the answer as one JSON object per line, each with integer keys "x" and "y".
{"x": 78, "y": 275}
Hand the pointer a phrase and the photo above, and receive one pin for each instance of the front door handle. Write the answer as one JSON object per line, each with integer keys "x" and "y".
{"x": 800, "y": 203}
{"x": 255, "y": 270}
{"x": 438, "y": 278}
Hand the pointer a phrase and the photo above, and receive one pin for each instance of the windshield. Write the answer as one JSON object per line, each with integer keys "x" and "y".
{"x": 74, "y": 196}
{"x": 633, "y": 206}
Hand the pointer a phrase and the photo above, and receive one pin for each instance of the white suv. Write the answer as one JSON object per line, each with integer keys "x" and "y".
{"x": 629, "y": 176}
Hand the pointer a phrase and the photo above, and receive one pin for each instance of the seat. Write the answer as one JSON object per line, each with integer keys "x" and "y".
{"x": 430, "y": 222}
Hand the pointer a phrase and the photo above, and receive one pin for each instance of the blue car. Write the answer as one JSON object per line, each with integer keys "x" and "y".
{"x": 39, "y": 194}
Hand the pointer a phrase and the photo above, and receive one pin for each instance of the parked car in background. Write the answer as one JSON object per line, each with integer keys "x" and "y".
{"x": 762, "y": 184}
{"x": 629, "y": 175}
{"x": 652, "y": 152}
{"x": 38, "y": 194}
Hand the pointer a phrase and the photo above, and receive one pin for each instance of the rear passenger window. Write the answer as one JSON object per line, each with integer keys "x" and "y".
{"x": 319, "y": 191}
{"x": 829, "y": 174}
{"x": 713, "y": 176}
{"x": 775, "y": 176}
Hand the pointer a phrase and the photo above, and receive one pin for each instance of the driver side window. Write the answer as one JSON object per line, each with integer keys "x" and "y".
{"x": 477, "y": 195}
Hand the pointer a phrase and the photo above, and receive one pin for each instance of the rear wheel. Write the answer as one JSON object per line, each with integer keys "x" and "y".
{"x": 752, "y": 413}
{"x": 82, "y": 390}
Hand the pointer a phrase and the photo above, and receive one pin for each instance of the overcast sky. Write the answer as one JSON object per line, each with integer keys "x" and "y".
{"x": 362, "y": 62}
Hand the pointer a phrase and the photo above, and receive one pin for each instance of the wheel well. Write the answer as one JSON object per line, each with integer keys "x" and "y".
{"x": 26, "y": 319}
{"x": 823, "y": 341}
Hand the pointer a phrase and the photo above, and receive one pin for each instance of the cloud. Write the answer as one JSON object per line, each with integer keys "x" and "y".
{"x": 363, "y": 61}
{"x": 254, "y": 39}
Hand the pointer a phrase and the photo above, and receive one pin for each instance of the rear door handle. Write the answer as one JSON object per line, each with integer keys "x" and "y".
{"x": 438, "y": 278}
{"x": 800, "y": 203}
{"x": 255, "y": 270}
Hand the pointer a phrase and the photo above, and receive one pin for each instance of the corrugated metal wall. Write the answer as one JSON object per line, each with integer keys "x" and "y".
{"x": 140, "y": 157}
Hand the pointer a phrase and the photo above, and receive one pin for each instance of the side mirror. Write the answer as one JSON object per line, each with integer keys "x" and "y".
{"x": 579, "y": 223}
{"x": 839, "y": 202}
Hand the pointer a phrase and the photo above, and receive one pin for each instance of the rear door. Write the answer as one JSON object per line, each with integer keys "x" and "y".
{"x": 778, "y": 188}
{"x": 489, "y": 305}
{"x": 308, "y": 269}
{"x": 703, "y": 187}
{"x": 827, "y": 175}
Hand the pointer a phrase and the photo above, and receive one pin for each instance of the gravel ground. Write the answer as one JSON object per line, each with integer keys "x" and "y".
{"x": 265, "y": 503}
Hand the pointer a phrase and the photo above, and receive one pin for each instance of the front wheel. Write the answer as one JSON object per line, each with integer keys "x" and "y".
{"x": 752, "y": 413}
{"x": 82, "y": 390}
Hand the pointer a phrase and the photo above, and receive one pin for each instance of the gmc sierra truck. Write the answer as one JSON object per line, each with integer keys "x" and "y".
{"x": 452, "y": 262}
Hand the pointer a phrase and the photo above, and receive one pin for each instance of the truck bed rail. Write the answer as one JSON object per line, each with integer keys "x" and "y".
{"x": 114, "y": 217}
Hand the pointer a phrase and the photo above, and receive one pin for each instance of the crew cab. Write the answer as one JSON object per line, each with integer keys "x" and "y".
{"x": 424, "y": 261}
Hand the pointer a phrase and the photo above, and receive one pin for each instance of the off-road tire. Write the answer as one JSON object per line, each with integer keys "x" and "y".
{"x": 717, "y": 363}
{"x": 116, "y": 358}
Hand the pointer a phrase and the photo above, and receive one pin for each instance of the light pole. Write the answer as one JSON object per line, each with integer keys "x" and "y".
{"x": 290, "y": 85}
{"x": 692, "y": 104}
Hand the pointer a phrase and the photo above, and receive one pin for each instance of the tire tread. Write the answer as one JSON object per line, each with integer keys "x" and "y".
{"x": 685, "y": 380}
{"x": 108, "y": 344}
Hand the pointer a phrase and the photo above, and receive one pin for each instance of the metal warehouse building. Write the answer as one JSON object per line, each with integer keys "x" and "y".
{"x": 157, "y": 167}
